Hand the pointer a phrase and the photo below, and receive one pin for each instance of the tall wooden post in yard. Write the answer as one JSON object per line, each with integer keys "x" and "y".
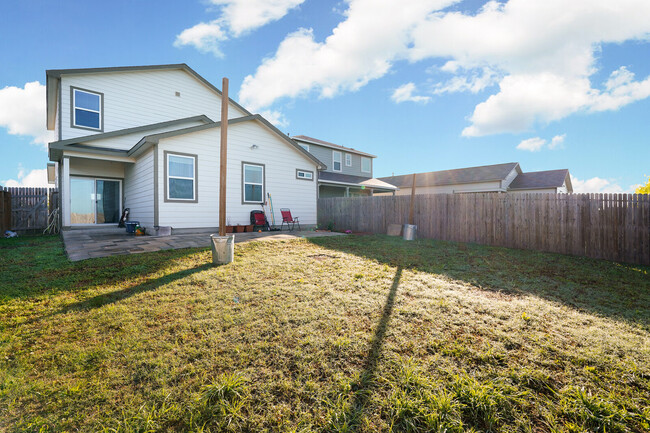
{"x": 223, "y": 246}
{"x": 223, "y": 158}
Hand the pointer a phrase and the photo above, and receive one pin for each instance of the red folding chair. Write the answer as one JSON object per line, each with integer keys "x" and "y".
{"x": 289, "y": 220}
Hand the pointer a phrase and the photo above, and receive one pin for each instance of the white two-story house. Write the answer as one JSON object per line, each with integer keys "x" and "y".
{"x": 347, "y": 172}
{"x": 147, "y": 138}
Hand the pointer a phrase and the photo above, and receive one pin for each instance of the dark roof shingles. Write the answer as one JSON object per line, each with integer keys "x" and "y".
{"x": 450, "y": 177}
{"x": 540, "y": 179}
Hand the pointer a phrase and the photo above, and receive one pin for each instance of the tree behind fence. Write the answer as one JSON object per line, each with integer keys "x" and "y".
{"x": 604, "y": 226}
{"x": 29, "y": 207}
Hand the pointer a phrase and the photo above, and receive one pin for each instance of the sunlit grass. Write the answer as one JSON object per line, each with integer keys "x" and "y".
{"x": 357, "y": 333}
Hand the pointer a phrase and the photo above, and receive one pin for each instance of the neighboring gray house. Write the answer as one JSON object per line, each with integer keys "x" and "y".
{"x": 348, "y": 172}
{"x": 487, "y": 178}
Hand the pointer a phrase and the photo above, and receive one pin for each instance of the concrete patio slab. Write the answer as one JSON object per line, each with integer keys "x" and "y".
{"x": 85, "y": 243}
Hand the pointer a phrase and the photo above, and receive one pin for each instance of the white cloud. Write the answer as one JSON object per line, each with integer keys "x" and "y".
{"x": 404, "y": 93}
{"x": 242, "y": 16}
{"x": 542, "y": 54}
{"x": 22, "y": 112}
{"x": 205, "y": 37}
{"x": 361, "y": 48}
{"x": 536, "y": 144}
{"x": 237, "y": 17}
{"x": 557, "y": 142}
{"x": 35, "y": 178}
{"x": 532, "y": 144}
{"x": 275, "y": 117}
{"x": 595, "y": 184}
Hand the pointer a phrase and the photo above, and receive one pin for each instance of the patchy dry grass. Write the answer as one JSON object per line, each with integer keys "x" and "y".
{"x": 357, "y": 333}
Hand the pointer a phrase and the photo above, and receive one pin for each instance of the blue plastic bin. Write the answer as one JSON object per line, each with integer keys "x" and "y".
{"x": 130, "y": 226}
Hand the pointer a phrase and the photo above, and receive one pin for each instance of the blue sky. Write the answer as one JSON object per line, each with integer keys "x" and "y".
{"x": 424, "y": 85}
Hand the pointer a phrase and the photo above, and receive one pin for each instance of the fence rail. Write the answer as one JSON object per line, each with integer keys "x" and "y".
{"x": 29, "y": 207}
{"x": 604, "y": 226}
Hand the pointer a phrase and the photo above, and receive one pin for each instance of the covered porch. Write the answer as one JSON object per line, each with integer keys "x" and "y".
{"x": 345, "y": 185}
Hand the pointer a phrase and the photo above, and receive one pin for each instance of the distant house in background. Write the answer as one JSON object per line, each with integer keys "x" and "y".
{"x": 348, "y": 172}
{"x": 488, "y": 178}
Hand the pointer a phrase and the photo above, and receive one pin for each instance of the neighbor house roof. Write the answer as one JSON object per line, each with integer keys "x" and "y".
{"x": 311, "y": 140}
{"x": 351, "y": 180}
{"x": 54, "y": 75}
{"x": 542, "y": 180}
{"x": 482, "y": 173}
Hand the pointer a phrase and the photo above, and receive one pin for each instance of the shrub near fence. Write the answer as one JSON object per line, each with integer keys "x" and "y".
{"x": 604, "y": 226}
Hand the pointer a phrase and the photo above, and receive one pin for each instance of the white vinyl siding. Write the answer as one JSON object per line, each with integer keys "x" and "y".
{"x": 138, "y": 189}
{"x": 280, "y": 163}
{"x": 365, "y": 165}
{"x": 144, "y": 97}
{"x": 450, "y": 189}
{"x": 336, "y": 161}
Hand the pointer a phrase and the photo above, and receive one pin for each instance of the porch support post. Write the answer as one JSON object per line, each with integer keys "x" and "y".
{"x": 65, "y": 192}
{"x": 347, "y": 191}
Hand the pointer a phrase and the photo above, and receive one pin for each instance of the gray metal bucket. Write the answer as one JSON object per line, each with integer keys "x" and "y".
{"x": 223, "y": 249}
{"x": 409, "y": 231}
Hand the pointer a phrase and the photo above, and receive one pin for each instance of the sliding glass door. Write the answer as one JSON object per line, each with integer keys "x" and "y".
{"x": 94, "y": 201}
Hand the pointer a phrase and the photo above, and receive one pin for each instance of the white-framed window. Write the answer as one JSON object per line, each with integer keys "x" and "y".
{"x": 86, "y": 109}
{"x": 252, "y": 182}
{"x": 348, "y": 160}
{"x": 181, "y": 177}
{"x": 304, "y": 146}
{"x": 365, "y": 164}
{"x": 304, "y": 174}
{"x": 336, "y": 160}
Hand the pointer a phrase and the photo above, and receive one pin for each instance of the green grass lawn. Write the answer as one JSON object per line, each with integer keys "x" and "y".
{"x": 356, "y": 333}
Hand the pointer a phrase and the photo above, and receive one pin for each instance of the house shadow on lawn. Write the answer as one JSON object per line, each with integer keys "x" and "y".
{"x": 37, "y": 265}
{"x": 615, "y": 290}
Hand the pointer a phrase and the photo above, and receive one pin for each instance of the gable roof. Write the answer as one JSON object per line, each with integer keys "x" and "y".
{"x": 53, "y": 77}
{"x": 542, "y": 179}
{"x": 482, "y": 173}
{"x": 311, "y": 140}
{"x": 155, "y": 138}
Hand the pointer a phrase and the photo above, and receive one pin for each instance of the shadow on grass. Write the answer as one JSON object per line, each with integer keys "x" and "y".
{"x": 119, "y": 295}
{"x": 363, "y": 388}
{"x": 37, "y": 265}
{"x": 619, "y": 291}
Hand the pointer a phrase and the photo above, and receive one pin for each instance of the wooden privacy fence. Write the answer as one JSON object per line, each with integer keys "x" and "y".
{"x": 29, "y": 207}
{"x": 604, "y": 226}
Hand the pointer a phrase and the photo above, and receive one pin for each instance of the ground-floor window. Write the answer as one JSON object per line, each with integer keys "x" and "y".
{"x": 180, "y": 176}
{"x": 252, "y": 182}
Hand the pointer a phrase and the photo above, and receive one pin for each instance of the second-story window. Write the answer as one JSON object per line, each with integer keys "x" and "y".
{"x": 365, "y": 164}
{"x": 336, "y": 160}
{"x": 348, "y": 160}
{"x": 86, "y": 109}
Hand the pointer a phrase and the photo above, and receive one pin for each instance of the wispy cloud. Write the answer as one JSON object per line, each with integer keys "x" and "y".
{"x": 404, "y": 93}
{"x": 35, "y": 178}
{"x": 237, "y": 17}
{"x": 536, "y": 144}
